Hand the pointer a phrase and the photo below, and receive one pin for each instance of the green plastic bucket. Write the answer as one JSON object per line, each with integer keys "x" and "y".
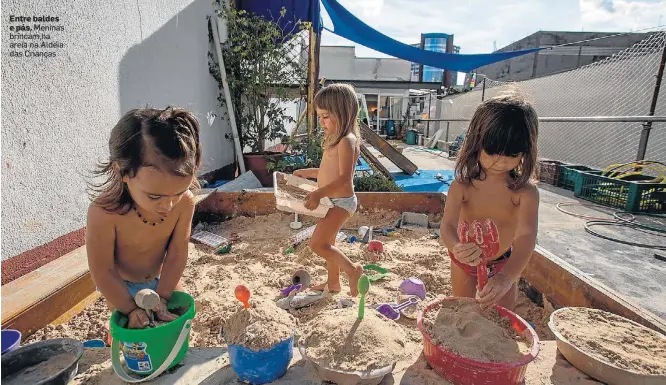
{"x": 151, "y": 351}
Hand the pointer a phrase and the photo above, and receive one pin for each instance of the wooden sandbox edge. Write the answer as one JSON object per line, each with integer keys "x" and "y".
{"x": 565, "y": 285}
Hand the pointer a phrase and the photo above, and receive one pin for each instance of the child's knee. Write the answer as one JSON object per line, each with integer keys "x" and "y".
{"x": 317, "y": 245}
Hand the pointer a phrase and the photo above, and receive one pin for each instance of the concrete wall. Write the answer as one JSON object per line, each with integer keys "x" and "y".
{"x": 58, "y": 112}
{"x": 557, "y": 59}
{"x": 341, "y": 63}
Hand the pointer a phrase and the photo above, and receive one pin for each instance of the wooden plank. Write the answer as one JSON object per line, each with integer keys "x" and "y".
{"x": 565, "y": 285}
{"x": 33, "y": 287}
{"x": 224, "y": 205}
{"x": 76, "y": 309}
{"x": 387, "y": 150}
{"x": 375, "y": 162}
{"x": 52, "y": 307}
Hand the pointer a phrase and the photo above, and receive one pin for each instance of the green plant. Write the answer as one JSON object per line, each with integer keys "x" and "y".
{"x": 263, "y": 64}
{"x": 304, "y": 154}
{"x": 375, "y": 183}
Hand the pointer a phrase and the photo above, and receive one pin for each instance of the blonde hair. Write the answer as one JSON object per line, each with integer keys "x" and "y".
{"x": 172, "y": 133}
{"x": 340, "y": 101}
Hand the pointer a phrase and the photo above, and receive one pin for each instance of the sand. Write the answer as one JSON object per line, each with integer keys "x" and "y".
{"x": 614, "y": 340}
{"x": 41, "y": 371}
{"x": 462, "y": 328}
{"x": 289, "y": 191}
{"x": 259, "y": 327}
{"x": 257, "y": 261}
{"x": 339, "y": 340}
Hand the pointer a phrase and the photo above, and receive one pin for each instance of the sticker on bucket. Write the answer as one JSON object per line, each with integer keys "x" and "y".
{"x": 136, "y": 358}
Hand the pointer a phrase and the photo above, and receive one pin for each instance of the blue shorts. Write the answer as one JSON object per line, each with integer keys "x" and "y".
{"x": 134, "y": 287}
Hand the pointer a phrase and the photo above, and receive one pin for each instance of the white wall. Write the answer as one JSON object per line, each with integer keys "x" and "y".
{"x": 341, "y": 63}
{"x": 58, "y": 112}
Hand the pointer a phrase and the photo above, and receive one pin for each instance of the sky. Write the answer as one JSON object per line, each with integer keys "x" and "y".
{"x": 476, "y": 24}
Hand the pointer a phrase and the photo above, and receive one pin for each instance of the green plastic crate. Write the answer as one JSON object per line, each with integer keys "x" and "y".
{"x": 627, "y": 194}
{"x": 569, "y": 173}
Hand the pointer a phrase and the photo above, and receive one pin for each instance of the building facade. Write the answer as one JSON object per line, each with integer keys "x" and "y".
{"x": 436, "y": 42}
{"x": 591, "y": 47}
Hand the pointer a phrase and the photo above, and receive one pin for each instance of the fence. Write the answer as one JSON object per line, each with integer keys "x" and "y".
{"x": 620, "y": 85}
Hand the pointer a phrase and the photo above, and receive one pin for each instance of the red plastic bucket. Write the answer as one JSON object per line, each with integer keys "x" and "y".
{"x": 464, "y": 371}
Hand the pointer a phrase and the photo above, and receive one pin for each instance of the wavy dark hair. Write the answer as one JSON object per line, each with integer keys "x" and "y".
{"x": 504, "y": 125}
{"x": 171, "y": 133}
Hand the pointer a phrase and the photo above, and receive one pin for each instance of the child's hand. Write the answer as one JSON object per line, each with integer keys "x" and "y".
{"x": 163, "y": 313}
{"x": 312, "y": 201}
{"x": 138, "y": 319}
{"x": 468, "y": 253}
{"x": 498, "y": 285}
{"x": 300, "y": 173}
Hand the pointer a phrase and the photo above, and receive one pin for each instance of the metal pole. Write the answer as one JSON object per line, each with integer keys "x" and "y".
{"x": 647, "y": 126}
{"x": 429, "y": 110}
{"x": 214, "y": 26}
{"x": 590, "y": 119}
{"x": 483, "y": 91}
{"x": 312, "y": 82}
{"x": 447, "y": 131}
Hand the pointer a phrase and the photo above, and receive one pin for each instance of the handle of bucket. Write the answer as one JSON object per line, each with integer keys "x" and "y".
{"x": 117, "y": 367}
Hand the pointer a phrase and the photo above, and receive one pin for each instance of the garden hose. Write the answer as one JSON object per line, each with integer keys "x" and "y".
{"x": 620, "y": 218}
{"x": 581, "y": 216}
{"x": 588, "y": 228}
{"x": 626, "y": 170}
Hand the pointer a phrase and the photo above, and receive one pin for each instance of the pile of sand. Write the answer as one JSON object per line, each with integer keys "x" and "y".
{"x": 462, "y": 328}
{"x": 259, "y": 327}
{"x": 338, "y": 340}
{"x": 613, "y": 339}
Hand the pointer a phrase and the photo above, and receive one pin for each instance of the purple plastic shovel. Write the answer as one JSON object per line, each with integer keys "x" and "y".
{"x": 392, "y": 311}
{"x": 287, "y": 290}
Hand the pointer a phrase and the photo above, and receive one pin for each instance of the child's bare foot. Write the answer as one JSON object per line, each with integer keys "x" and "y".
{"x": 353, "y": 280}
{"x": 332, "y": 287}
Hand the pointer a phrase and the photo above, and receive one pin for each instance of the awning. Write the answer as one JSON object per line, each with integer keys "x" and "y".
{"x": 303, "y": 10}
{"x": 347, "y": 25}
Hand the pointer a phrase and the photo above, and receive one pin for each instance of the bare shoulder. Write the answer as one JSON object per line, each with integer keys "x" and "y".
{"x": 188, "y": 200}
{"x": 187, "y": 203}
{"x": 98, "y": 216}
{"x": 529, "y": 194}
{"x": 457, "y": 189}
{"x": 348, "y": 141}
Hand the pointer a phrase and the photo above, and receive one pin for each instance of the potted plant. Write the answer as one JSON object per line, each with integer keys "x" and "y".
{"x": 305, "y": 153}
{"x": 265, "y": 62}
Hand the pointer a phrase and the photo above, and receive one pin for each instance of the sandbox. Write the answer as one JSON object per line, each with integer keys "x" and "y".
{"x": 257, "y": 260}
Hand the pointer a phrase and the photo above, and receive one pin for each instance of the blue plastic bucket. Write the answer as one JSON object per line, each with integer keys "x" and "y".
{"x": 263, "y": 366}
{"x": 11, "y": 339}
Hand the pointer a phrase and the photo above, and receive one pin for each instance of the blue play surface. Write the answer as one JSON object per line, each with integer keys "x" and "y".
{"x": 425, "y": 181}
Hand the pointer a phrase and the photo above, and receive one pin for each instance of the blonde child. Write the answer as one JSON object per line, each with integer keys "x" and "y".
{"x": 139, "y": 221}
{"x": 494, "y": 170}
{"x": 337, "y": 109}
